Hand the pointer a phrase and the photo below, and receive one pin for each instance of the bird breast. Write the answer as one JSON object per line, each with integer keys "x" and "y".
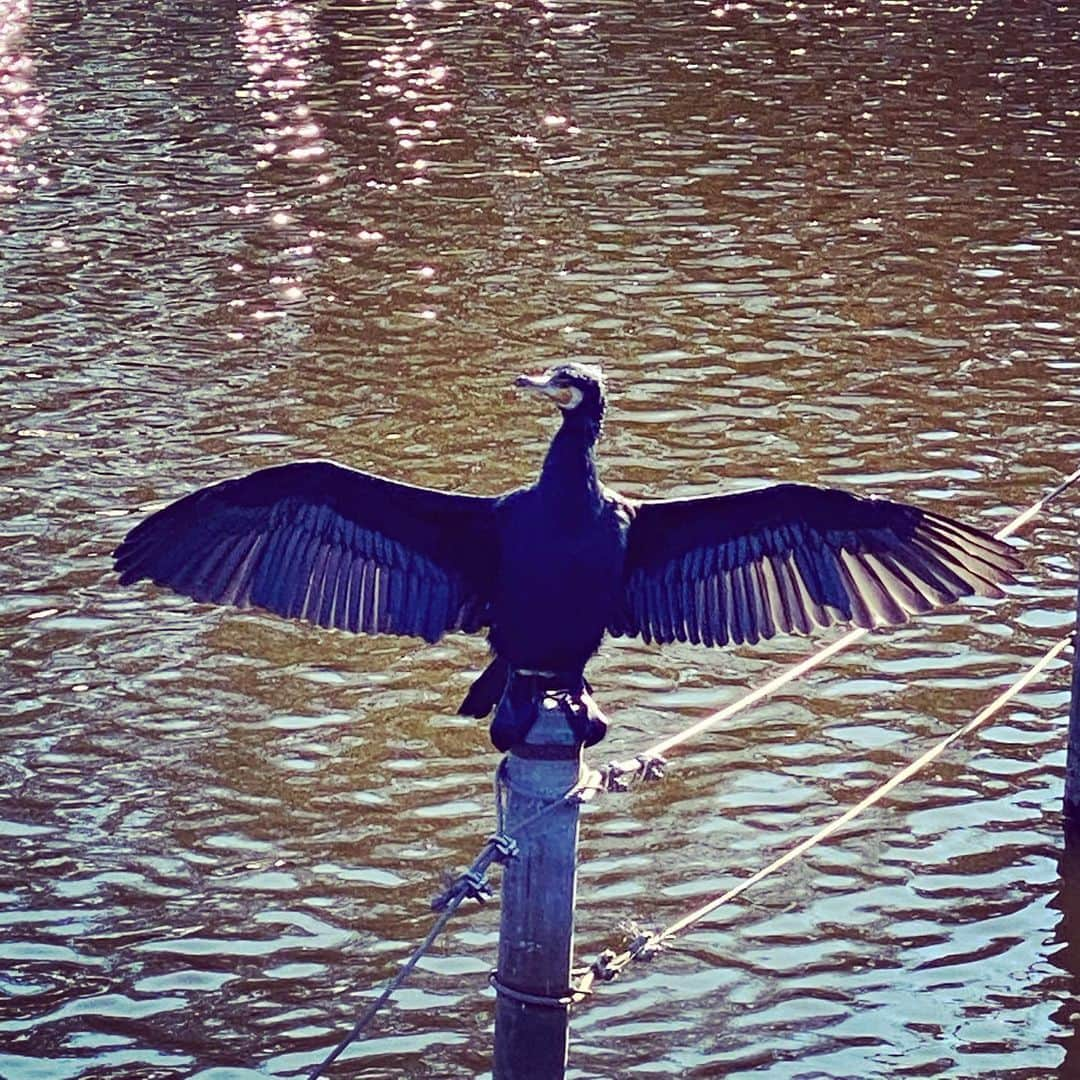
{"x": 560, "y": 572}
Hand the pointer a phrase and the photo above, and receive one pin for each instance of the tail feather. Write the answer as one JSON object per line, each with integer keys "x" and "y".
{"x": 485, "y": 692}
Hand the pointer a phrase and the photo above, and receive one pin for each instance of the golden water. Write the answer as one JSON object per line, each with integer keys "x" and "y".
{"x": 807, "y": 241}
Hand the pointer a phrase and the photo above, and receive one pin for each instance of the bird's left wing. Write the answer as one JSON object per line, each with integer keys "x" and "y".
{"x": 319, "y": 541}
{"x": 746, "y": 566}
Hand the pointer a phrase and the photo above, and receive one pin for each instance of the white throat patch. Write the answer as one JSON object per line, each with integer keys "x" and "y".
{"x": 570, "y": 397}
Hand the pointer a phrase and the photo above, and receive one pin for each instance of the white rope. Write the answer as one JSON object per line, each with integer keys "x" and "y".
{"x": 609, "y": 965}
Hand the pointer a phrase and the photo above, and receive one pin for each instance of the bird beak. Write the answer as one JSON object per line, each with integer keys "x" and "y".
{"x": 537, "y": 384}
{"x": 542, "y": 384}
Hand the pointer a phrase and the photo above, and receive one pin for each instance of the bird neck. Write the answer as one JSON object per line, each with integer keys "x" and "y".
{"x": 570, "y": 465}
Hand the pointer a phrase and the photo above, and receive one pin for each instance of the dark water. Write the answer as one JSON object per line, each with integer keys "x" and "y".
{"x": 807, "y": 241}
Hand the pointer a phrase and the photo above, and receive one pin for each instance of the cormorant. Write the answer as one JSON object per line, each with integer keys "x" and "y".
{"x": 550, "y": 568}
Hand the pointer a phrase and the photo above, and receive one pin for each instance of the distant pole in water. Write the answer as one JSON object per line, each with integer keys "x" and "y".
{"x": 1071, "y": 807}
{"x": 536, "y": 933}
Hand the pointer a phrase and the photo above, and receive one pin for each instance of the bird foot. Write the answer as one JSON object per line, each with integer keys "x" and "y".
{"x": 514, "y": 718}
{"x": 585, "y": 717}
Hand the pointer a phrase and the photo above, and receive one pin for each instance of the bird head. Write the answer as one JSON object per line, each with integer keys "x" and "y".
{"x": 578, "y": 389}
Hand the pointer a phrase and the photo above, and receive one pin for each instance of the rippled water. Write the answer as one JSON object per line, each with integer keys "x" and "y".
{"x": 807, "y": 241}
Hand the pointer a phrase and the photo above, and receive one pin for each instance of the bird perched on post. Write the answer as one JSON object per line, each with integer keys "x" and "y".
{"x": 549, "y": 569}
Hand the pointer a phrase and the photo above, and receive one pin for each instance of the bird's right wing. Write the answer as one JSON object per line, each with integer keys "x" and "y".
{"x": 746, "y": 566}
{"x": 319, "y": 541}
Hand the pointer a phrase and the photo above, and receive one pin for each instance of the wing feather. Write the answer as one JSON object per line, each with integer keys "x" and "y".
{"x": 791, "y": 557}
{"x": 322, "y": 542}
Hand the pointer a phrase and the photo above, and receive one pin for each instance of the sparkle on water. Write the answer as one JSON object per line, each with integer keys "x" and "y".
{"x": 807, "y": 241}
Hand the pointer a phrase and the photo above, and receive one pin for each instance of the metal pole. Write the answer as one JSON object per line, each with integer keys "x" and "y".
{"x": 1071, "y": 807}
{"x": 536, "y": 934}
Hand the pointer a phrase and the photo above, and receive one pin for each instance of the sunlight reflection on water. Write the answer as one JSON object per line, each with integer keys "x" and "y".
{"x": 807, "y": 242}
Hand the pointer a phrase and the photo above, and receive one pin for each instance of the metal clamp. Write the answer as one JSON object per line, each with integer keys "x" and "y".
{"x": 506, "y": 847}
{"x": 471, "y": 885}
{"x": 617, "y": 775}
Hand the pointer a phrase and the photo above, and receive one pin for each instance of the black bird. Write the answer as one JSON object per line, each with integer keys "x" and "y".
{"x": 550, "y": 568}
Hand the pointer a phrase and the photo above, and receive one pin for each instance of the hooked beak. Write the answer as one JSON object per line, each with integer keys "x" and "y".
{"x": 542, "y": 384}
{"x": 531, "y": 382}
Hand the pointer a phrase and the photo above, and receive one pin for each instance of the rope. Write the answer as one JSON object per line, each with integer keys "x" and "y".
{"x": 1021, "y": 520}
{"x": 472, "y": 884}
{"x": 406, "y": 969}
{"x": 618, "y": 771}
{"x": 571, "y": 997}
{"x": 609, "y": 964}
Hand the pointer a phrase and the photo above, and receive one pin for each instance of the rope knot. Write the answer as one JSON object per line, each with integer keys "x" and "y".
{"x": 474, "y": 886}
{"x": 618, "y": 775}
{"x": 603, "y": 968}
{"x": 652, "y": 767}
{"x": 506, "y": 847}
{"x": 614, "y": 777}
{"x": 471, "y": 885}
{"x": 645, "y": 946}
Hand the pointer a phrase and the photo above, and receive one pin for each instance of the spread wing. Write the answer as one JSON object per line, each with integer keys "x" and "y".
{"x": 318, "y": 541}
{"x": 787, "y": 558}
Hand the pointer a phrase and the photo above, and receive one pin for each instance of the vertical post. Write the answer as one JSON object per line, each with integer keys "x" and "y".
{"x": 1071, "y": 807}
{"x": 536, "y": 934}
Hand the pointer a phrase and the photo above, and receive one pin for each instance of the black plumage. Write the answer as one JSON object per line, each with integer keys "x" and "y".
{"x": 548, "y": 569}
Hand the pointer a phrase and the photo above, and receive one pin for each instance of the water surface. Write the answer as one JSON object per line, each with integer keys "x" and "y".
{"x": 807, "y": 242}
